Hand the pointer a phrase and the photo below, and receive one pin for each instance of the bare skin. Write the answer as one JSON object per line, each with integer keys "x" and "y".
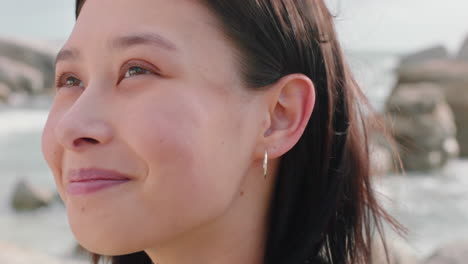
{"x": 151, "y": 89}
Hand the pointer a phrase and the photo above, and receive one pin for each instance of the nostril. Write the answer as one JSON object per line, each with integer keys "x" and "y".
{"x": 83, "y": 141}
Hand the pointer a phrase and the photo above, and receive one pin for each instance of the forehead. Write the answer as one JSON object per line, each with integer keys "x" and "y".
{"x": 182, "y": 21}
{"x": 143, "y": 8}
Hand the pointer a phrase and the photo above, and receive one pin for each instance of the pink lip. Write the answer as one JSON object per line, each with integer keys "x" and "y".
{"x": 86, "y": 181}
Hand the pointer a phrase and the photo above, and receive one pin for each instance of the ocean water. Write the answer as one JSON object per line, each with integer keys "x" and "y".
{"x": 374, "y": 33}
{"x": 432, "y": 206}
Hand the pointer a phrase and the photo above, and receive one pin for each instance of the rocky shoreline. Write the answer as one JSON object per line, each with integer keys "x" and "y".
{"x": 426, "y": 110}
{"x": 26, "y": 70}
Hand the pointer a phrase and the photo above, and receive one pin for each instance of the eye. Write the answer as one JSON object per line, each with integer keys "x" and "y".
{"x": 66, "y": 80}
{"x": 136, "y": 70}
{"x": 72, "y": 81}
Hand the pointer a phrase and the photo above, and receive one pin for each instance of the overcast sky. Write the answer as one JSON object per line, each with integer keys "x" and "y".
{"x": 390, "y": 25}
{"x": 401, "y": 25}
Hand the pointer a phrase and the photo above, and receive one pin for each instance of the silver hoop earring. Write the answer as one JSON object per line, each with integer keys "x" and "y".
{"x": 265, "y": 162}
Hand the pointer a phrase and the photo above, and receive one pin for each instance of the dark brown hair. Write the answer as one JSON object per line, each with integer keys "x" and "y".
{"x": 324, "y": 208}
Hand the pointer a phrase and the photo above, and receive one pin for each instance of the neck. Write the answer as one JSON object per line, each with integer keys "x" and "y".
{"x": 236, "y": 236}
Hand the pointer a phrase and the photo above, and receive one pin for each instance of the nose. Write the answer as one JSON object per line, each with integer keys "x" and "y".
{"x": 84, "y": 125}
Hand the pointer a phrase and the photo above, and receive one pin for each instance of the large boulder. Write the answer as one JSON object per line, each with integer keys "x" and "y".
{"x": 33, "y": 55}
{"x": 4, "y": 92}
{"x": 423, "y": 126}
{"x": 28, "y": 197}
{"x": 428, "y": 54}
{"x": 6, "y": 78}
{"x": 21, "y": 77}
{"x": 451, "y": 253}
{"x": 452, "y": 79}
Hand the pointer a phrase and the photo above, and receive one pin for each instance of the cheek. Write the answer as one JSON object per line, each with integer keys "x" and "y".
{"x": 173, "y": 142}
{"x": 179, "y": 141}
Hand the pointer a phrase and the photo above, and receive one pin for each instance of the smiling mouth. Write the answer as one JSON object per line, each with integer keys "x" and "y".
{"x": 87, "y": 181}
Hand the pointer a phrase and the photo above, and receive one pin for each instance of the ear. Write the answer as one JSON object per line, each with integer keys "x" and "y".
{"x": 290, "y": 103}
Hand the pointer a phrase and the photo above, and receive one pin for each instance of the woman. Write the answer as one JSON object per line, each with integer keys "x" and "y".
{"x": 211, "y": 131}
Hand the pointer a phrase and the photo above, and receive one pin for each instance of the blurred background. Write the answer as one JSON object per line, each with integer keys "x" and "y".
{"x": 410, "y": 58}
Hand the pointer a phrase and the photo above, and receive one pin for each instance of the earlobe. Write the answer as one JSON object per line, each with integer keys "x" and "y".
{"x": 291, "y": 103}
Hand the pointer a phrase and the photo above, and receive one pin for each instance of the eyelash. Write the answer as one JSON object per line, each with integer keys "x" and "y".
{"x": 61, "y": 79}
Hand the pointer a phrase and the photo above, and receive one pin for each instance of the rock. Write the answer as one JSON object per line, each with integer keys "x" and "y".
{"x": 21, "y": 77}
{"x": 27, "y": 197}
{"x": 451, "y": 253}
{"x": 57, "y": 199}
{"x": 452, "y": 78}
{"x": 399, "y": 252}
{"x": 408, "y": 101}
{"x": 463, "y": 53}
{"x": 432, "y": 53}
{"x": 438, "y": 71}
{"x": 6, "y": 79}
{"x": 10, "y": 254}
{"x": 423, "y": 126}
{"x": 4, "y": 92}
{"x": 27, "y": 54}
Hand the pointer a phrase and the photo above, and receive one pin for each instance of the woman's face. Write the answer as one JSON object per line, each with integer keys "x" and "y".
{"x": 148, "y": 90}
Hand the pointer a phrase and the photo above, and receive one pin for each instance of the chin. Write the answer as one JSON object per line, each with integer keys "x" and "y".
{"x": 108, "y": 247}
{"x": 104, "y": 241}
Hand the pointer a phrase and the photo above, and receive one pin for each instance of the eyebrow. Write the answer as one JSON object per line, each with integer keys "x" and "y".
{"x": 121, "y": 43}
{"x": 67, "y": 54}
